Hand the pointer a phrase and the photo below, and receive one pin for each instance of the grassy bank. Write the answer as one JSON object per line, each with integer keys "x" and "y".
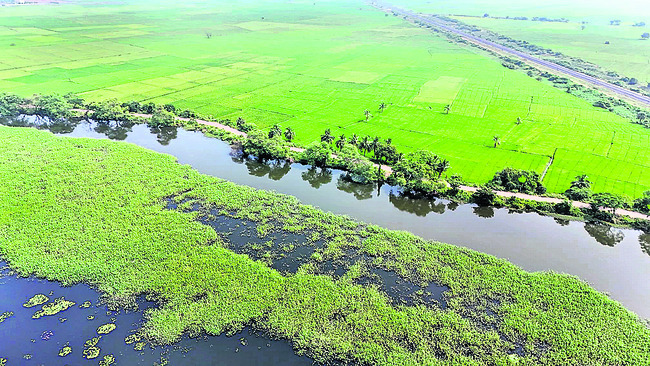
{"x": 77, "y": 210}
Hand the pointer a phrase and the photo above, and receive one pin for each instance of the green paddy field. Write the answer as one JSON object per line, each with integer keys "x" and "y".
{"x": 316, "y": 65}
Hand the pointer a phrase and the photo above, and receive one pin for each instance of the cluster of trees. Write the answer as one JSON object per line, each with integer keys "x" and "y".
{"x": 580, "y": 190}
{"x": 260, "y": 145}
{"x": 359, "y": 169}
{"x": 383, "y": 150}
{"x": 419, "y": 172}
{"x": 54, "y": 106}
{"x": 515, "y": 180}
{"x": 288, "y": 133}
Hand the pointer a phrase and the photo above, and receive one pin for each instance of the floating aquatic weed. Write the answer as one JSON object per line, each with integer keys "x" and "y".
{"x": 53, "y": 308}
{"x": 107, "y": 360}
{"x": 90, "y": 317}
{"x": 85, "y": 305}
{"x": 62, "y": 320}
{"x": 243, "y": 341}
{"x": 27, "y": 356}
{"x": 66, "y": 350}
{"x": 92, "y": 342}
{"x": 91, "y": 350}
{"x": 3, "y": 361}
{"x": 91, "y": 353}
{"x": 4, "y": 316}
{"x": 47, "y": 335}
{"x": 139, "y": 346}
{"x": 36, "y": 300}
{"x": 106, "y": 328}
{"x": 132, "y": 338}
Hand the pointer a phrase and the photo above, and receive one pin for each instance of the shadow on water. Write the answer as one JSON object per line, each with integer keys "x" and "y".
{"x": 604, "y": 234}
{"x": 531, "y": 241}
{"x": 644, "y": 240}
{"x": 38, "y": 341}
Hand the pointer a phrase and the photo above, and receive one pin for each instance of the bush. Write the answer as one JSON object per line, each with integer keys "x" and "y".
{"x": 317, "y": 154}
{"x": 162, "y": 118}
{"x": 515, "y": 180}
{"x": 260, "y": 145}
{"x": 11, "y": 105}
{"x": 109, "y": 110}
{"x": 578, "y": 194}
{"x": 486, "y": 197}
{"x": 53, "y": 106}
{"x": 566, "y": 207}
{"x": 643, "y": 204}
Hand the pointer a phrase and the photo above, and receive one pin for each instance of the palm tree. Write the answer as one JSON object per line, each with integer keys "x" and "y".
{"x": 447, "y": 108}
{"x": 364, "y": 144}
{"x": 389, "y": 141}
{"x": 382, "y": 106}
{"x": 367, "y": 114}
{"x": 518, "y": 120}
{"x": 289, "y": 134}
{"x": 276, "y": 130}
{"x": 497, "y": 141}
{"x": 240, "y": 123}
{"x": 327, "y": 136}
{"x": 354, "y": 140}
{"x": 374, "y": 144}
{"x": 442, "y": 166}
{"x": 582, "y": 181}
{"x": 340, "y": 142}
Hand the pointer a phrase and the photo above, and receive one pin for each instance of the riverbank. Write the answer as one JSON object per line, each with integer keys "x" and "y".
{"x": 125, "y": 244}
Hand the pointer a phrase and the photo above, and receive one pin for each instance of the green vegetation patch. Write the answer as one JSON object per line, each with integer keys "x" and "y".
{"x": 36, "y": 300}
{"x": 65, "y": 350}
{"x": 53, "y": 308}
{"x": 83, "y": 210}
{"x": 6, "y": 315}
{"x": 106, "y": 328}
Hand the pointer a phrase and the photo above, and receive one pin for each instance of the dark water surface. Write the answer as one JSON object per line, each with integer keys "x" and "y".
{"x": 21, "y": 336}
{"x": 611, "y": 260}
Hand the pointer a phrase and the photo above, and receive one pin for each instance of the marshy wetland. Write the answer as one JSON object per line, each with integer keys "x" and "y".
{"x": 220, "y": 258}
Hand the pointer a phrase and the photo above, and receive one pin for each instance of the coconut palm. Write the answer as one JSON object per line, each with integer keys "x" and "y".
{"x": 364, "y": 145}
{"x": 389, "y": 141}
{"x": 442, "y": 166}
{"x": 374, "y": 144}
{"x": 447, "y": 108}
{"x": 340, "y": 142}
{"x": 497, "y": 141}
{"x": 327, "y": 136}
{"x": 382, "y": 106}
{"x": 518, "y": 120}
{"x": 276, "y": 130}
{"x": 582, "y": 181}
{"x": 354, "y": 140}
{"x": 367, "y": 114}
{"x": 289, "y": 134}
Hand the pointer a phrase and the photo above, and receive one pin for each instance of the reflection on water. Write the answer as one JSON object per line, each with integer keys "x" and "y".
{"x": 359, "y": 191}
{"x": 604, "y": 234}
{"x": 484, "y": 212}
{"x": 114, "y": 130}
{"x": 534, "y": 242}
{"x": 317, "y": 177}
{"x": 418, "y": 206}
{"x": 644, "y": 240}
{"x": 165, "y": 134}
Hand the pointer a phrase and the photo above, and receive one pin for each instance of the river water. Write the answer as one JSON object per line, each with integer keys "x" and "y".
{"x": 614, "y": 261}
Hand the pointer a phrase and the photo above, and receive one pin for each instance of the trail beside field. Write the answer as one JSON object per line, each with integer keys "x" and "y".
{"x": 614, "y": 89}
{"x": 387, "y": 170}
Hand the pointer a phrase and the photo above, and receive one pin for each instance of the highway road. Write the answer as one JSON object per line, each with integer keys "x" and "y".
{"x": 619, "y": 91}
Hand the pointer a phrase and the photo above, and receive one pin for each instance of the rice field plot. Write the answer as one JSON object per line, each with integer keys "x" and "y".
{"x": 317, "y": 66}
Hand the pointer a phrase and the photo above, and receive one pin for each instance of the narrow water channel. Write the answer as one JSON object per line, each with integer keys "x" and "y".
{"x": 614, "y": 261}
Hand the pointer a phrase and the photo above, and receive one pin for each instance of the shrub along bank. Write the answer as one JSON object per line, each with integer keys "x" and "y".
{"x": 82, "y": 210}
